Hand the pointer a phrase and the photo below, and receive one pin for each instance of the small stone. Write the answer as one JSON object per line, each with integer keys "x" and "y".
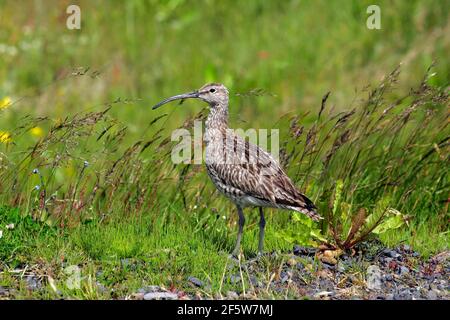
{"x": 441, "y": 257}
{"x": 232, "y": 295}
{"x": 255, "y": 282}
{"x": 323, "y": 294}
{"x": 431, "y": 295}
{"x": 292, "y": 262}
{"x": 195, "y": 281}
{"x": 391, "y": 253}
{"x": 405, "y": 294}
{"x": 149, "y": 289}
{"x": 3, "y": 291}
{"x": 300, "y": 266}
{"x": 298, "y": 250}
{"x": 101, "y": 288}
{"x": 329, "y": 266}
{"x": 33, "y": 283}
{"x": 328, "y": 260}
{"x": 403, "y": 270}
{"x": 138, "y": 296}
{"x": 303, "y": 251}
{"x": 388, "y": 277}
{"x": 235, "y": 279}
{"x": 160, "y": 296}
{"x": 374, "y": 277}
{"x": 387, "y": 260}
{"x": 285, "y": 276}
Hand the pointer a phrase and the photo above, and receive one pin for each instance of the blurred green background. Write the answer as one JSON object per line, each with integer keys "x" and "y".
{"x": 146, "y": 50}
{"x": 127, "y": 203}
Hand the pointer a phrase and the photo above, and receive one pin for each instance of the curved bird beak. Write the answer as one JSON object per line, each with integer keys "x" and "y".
{"x": 193, "y": 94}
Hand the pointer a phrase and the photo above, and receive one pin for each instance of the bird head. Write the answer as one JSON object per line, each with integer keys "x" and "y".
{"x": 213, "y": 93}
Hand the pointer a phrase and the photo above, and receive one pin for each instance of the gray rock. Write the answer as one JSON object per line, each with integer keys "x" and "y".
{"x": 149, "y": 289}
{"x": 101, "y": 288}
{"x": 391, "y": 253}
{"x": 195, "y": 281}
{"x": 406, "y": 248}
{"x": 3, "y": 291}
{"x": 431, "y": 295}
{"x": 160, "y": 296}
{"x": 435, "y": 295}
{"x": 303, "y": 251}
{"x": 235, "y": 279}
{"x": 374, "y": 277}
{"x": 232, "y": 295}
{"x": 403, "y": 270}
{"x": 33, "y": 283}
{"x": 403, "y": 293}
{"x": 255, "y": 282}
{"x": 323, "y": 294}
{"x": 300, "y": 266}
{"x": 387, "y": 260}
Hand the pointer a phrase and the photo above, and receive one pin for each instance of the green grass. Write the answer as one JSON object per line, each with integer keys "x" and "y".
{"x": 123, "y": 255}
{"x": 132, "y": 203}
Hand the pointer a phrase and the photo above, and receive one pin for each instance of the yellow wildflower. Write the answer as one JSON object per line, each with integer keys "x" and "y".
{"x": 5, "y": 102}
{"x": 5, "y": 137}
{"x": 37, "y": 132}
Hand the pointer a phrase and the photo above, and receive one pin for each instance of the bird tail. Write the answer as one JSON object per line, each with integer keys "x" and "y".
{"x": 310, "y": 212}
{"x": 307, "y": 207}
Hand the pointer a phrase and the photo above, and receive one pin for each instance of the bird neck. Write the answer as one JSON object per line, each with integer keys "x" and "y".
{"x": 218, "y": 117}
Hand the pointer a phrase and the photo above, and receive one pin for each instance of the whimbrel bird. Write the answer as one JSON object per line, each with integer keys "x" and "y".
{"x": 242, "y": 171}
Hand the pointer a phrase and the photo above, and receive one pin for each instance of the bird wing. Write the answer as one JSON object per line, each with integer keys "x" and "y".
{"x": 255, "y": 172}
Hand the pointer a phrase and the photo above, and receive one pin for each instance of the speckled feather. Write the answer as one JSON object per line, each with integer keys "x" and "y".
{"x": 242, "y": 171}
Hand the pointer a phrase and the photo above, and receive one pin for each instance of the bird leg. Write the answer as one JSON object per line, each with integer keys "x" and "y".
{"x": 241, "y": 229}
{"x": 262, "y": 224}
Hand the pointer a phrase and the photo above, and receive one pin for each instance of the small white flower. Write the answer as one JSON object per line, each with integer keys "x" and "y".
{"x": 1, "y": 234}
{"x": 10, "y": 226}
{"x": 35, "y": 171}
{"x": 37, "y": 187}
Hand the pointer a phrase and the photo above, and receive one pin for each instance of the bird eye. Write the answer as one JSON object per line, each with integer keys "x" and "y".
{"x": 212, "y": 90}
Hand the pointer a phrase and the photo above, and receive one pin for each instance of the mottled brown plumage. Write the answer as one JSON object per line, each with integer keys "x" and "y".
{"x": 242, "y": 171}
